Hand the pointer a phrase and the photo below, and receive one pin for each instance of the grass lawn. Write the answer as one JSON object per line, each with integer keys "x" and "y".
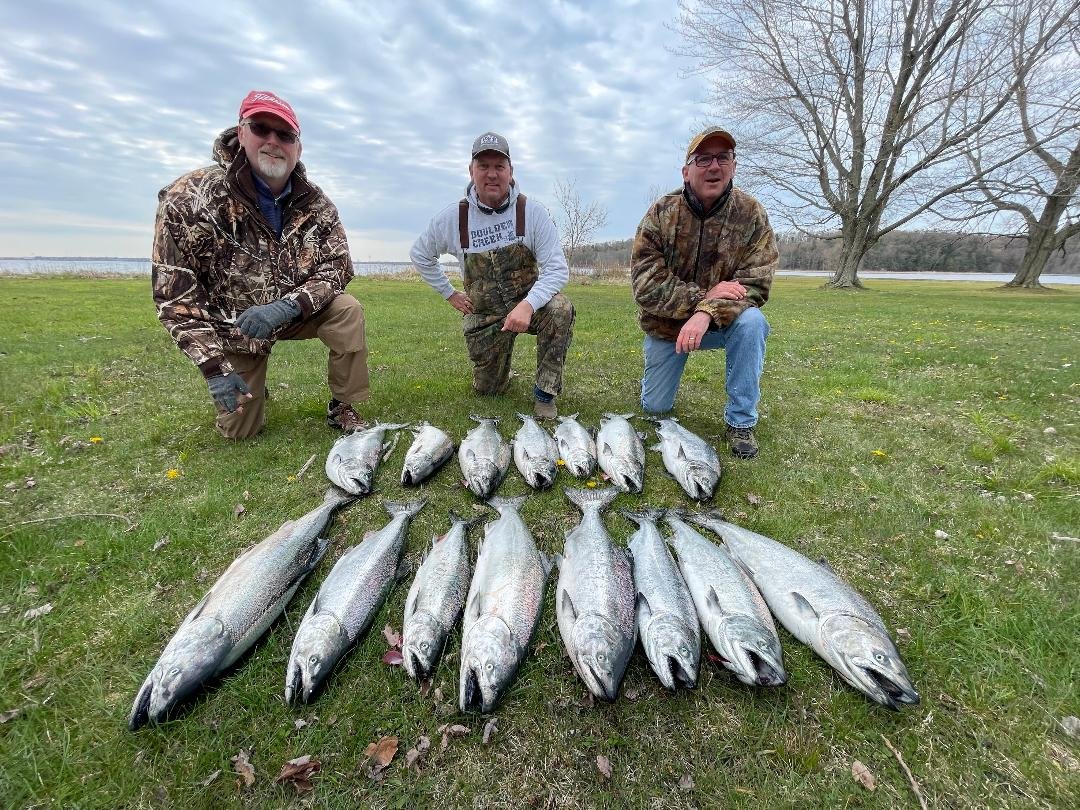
{"x": 923, "y": 437}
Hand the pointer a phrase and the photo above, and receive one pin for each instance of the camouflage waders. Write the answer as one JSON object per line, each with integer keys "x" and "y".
{"x": 495, "y": 282}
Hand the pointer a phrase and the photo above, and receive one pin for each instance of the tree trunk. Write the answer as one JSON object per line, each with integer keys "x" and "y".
{"x": 846, "y": 274}
{"x": 1040, "y": 244}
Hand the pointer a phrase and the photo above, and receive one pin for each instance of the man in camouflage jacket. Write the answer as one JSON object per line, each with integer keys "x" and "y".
{"x": 248, "y": 252}
{"x": 703, "y": 261}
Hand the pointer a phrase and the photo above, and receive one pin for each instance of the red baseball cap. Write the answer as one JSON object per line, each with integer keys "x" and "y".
{"x": 264, "y": 101}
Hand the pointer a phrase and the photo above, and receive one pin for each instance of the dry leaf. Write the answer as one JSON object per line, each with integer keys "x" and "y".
{"x": 382, "y": 752}
{"x": 416, "y": 752}
{"x": 9, "y": 715}
{"x": 1071, "y": 725}
{"x": 862, "y": 775}
{"x": 238, "y": 510}
{"x": 438, "y": 694}
{"x": 603, "y": 764}
{"x": 210, "y": 779}
{"x": 79, "y": 543}
{"x": 34, "y": 613}
{"x": 297, "y": 772}
{"x": 489, "y": 731}
{"x": 299, "y": 723}
{"x": 393, "y": 658}
{"x": 161, "y": 542}
{"x": 940, "y": 535}
{"x": 754, "y": 500}
{"x": 242, "y": 765}
{"x": 687, "y": 782}
{"x": 425, "y": 686}
{"x": 633, "y": 693}
{"x": 392, "y": 637}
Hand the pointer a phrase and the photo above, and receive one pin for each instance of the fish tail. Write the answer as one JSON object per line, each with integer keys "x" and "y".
{"x": 337, "y": 496}
{"x": 513, "y": 504}
{"x": 585, "y": 499}
{"x": 482, "y": 419}
{"x": 408, "y": 509}
{"x": 645, "y": 515}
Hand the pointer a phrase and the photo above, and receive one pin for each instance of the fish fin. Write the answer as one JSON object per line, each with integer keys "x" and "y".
{"x": 643, "y": 607}
{"x": 803, "y": 606}
{"x": 470, "y": 455}
{"x": 568, "y": 605}
{"x": 659, "y": 448}
{"x": 712, "y": 600}
{"x": 404, "y": 570}
{"x": 557, "y": 560}
{"x": 472, "y": 610}
{"x": 547, "y": 563}
{"x": 195, "y": 611}
{"x": 606, "y": 450}
{"x": 641, "y": 435}
{"x": 825, "y": 564}
{"x": 408, "y": 509}
{"x": 681, "y": 454}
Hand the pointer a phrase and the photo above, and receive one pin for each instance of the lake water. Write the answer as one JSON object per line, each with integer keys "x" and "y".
{"x": 141, "y": 267}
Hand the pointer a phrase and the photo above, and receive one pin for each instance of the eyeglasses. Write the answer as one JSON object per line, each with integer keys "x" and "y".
{"x": 260, "y": 130}
{"x": 704, "y": 161}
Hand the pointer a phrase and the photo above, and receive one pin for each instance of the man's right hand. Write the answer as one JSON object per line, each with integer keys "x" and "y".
{"x": 730, "y": 290}
{"x": 460, "y": 301}
{"x": 229, "y": 391}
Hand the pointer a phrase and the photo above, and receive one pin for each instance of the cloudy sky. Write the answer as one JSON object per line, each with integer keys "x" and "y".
{"x": 102, "y": 103}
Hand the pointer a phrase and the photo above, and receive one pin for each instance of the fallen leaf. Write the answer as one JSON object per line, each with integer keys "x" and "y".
{"x": 393, "y": 658}
{"x": 79, "y": 543}
{"x": 754, "y": 500}
{"x": 382, "y": 752}
{"x": 30, "y": 483}
{"x": 34, "y": 613}
{"x": 862, "y": 775}
{"x": 438, "y": 694}
{"x": 242, "y": 765}
{"x": 297, "y": 772}
{"x": 633, "y": 693}
{"x": 417, "y": 751}
{"x": 34, "y": 683}
{"x": 246, "y": 495}
{"x": 210, "y": 779}
{"x": 238, "y": 510}
{"x": 489, "y": 731}
{"x": 940, "y": 535}
{"x": 603, "y": 764}
{"x": 1071, "y": 725}
{"x": 687, "y": 782}
{"x": 393, "y": 638}
{"x": 299, "y": 723}
{"x": 161, "y": 542}
{"x": 425, "y": 686}
{"x": 9, "y": 715}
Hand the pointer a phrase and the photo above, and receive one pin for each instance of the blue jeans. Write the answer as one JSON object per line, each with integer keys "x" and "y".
{"x": 744, "y": 343}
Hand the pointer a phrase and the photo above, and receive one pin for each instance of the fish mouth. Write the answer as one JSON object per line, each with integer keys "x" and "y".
{"x": 676, "y": 674}
{"x": 472, "y": 696}
{"x": 597, "y": 683}
{"x": 890, "y": 693}
{"x": 627, "y": 483}
{"x": 294, "y": 686}
{"x": 542, "y": 480}
{"x": 407, "y": 478}
{"x": 765, "y": 672}
{"x": 140, "y": 712}
{"x": 414, "y": 665}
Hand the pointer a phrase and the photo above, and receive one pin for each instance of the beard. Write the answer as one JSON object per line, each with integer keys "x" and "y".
{"x": 273, "y": 167}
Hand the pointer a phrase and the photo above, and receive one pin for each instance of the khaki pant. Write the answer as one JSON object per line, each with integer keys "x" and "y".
{"x": 340, "y": 326}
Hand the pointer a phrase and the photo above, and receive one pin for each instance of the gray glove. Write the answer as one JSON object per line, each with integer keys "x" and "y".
{"x": 263, "y": 320}
{"x": 225, "y": 388}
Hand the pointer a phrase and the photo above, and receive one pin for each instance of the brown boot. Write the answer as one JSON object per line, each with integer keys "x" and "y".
{"x": 342, "y": 417}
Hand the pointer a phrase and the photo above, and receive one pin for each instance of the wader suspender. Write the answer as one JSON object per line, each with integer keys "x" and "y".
{"x": 463, "y": 220}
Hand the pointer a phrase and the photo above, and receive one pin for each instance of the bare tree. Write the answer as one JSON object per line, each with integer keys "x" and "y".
{"x": 1035, "y": 170}
{"x": 579, "y": 220}
{"x": 857, "y": 112}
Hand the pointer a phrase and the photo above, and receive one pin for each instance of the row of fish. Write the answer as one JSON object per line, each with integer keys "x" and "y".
{"x": 484, "y": 456}
{"x": 606, "y": 597}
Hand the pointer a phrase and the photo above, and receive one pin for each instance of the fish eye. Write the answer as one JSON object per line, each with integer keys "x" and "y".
{"x": 424, "y": 646}
{"x": 879, "y": 658}
{"x": 174, "y": 671}
{"x": 601, "y": 656}
{"x": 313, "y": 660}
{"x": 489, "y": 667}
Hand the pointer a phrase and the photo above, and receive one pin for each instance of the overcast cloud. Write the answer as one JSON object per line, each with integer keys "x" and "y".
{"x": 103, "y": 103}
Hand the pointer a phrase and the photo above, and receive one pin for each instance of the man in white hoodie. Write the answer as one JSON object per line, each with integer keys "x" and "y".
{"x": 513, "y": 267}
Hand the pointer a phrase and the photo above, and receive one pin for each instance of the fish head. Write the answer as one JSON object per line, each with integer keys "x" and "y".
{"x": 674, "y": 650}
{"x": 864, "y": 656}
{"x": 415, "y": 470}
{"x": 489, "y": 660}
{"x": 319, "y": 644}
{"x": 601, "y": 654}
{"x": 481, "y": 475}
{"x": 540, "y": 473}
{"x": 750, "y": 650}
{"x": 354, "y": 477}
{"x": 627, "y": 477}
{"x": 699, "y": 480}
{"x": 188, "y": 661}
{"x": 421, "y": 644}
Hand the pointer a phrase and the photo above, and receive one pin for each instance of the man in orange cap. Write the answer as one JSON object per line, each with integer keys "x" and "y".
{"x": 248, "y": 252}
{"x": 703, "y": 262}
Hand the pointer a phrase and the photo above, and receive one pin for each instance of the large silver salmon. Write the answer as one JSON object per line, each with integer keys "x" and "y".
{"x": 235, "y": 611}
{"x": 502, "y": 608}
{"x": 823, "y": 612}
{"x": 667, "y": 622}
{"x": 731, "y": 610}
{"x": 350, "y": 596}
{"x": 620, "y": 453}
{"x": 535, "y": 454}
{"x": 435, "y": 599}
{"x": 431, "y": 448}
{"x": 594, "y": 599}
{"x": 577, "y": 448}
{"x": 690, "y": 459}
{"x": 484, "y": 457}
{"x": 354, "y": 458}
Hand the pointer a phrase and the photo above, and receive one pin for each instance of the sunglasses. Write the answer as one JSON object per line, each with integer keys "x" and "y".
{"x": 263, "y": 131}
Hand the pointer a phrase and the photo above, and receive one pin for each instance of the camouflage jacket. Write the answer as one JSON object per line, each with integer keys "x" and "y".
{"x": 215, "y": 255}
{"x": 678, "y": 255}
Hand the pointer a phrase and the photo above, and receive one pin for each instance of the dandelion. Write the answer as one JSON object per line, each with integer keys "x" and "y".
{"x": 96, "y": 440}
{"x": 879, "y": 453}
{"x": 291, "y": 478}
{"x": 173, "y": 473}
{"x": 591, "y": 484}
{"x": 560, "y": 463}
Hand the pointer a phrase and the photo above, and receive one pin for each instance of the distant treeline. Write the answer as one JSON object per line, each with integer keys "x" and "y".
{"x": 907, "y": 251}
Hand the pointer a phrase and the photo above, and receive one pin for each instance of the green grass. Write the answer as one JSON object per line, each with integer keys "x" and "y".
{"x": 887, "y": 415}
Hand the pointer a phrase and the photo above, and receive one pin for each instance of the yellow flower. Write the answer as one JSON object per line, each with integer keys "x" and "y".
{"x": 96, "y": 440}
{"x": 590, "y": 484}
{"x": 880, "y": 454}
{"x": 560, "y": 463}
{"x": 173, "y": 473}
{"x": 291, "y": 478}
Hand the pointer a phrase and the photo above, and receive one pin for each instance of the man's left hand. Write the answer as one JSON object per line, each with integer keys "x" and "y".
{"x": 693, "y": 330}
{"x": 519, "y": 318}
{"x": 263, "y": 320}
